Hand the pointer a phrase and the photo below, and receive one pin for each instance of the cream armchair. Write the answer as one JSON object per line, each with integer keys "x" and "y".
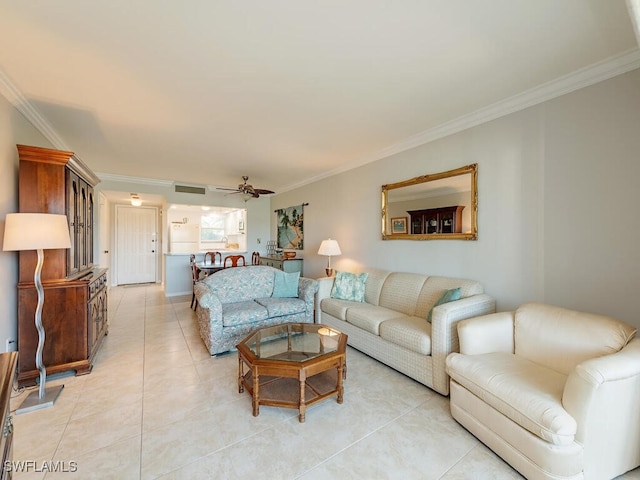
{"x": 554, "y": 392}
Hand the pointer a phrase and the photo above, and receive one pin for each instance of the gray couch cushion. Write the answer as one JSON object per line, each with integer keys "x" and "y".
{"x": 413, "y": 333}
{"x": 239, "y": 313}
{"x": 277, "y": 307}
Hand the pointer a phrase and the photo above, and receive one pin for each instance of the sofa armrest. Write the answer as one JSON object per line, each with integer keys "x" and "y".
{"x": 325, "y": 285}
{"x": 444, "y": 333}
{"x": 307, "y": 288}
{"x": 486, "y": 334}
{"x": 207, "y": 299}
{"x": 602, "y": 394}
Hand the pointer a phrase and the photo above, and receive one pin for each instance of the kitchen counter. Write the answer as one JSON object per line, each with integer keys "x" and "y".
{"x": 177, "y": 270}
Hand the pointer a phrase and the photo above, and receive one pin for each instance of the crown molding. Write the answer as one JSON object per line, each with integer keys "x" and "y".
{"x": 110, "y": 177}
{"x": 30, "y": 112}
{"x": 598, "y": 72}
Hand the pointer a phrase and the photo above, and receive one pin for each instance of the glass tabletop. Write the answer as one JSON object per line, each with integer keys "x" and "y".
{"x": 293, "y": 342}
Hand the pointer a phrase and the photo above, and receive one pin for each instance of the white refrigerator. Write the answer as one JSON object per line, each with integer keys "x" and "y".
{"x": 184, "y": 238}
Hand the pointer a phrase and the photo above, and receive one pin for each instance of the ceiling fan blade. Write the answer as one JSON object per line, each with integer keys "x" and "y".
{"x": 247, "y": 189}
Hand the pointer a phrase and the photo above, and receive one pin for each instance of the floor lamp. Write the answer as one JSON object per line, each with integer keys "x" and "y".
{"x": 37, "y": 231}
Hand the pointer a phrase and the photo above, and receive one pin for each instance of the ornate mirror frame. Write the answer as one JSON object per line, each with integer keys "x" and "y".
{"x": 392, "y": 227}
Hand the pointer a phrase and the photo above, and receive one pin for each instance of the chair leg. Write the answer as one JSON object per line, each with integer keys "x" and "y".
{"x": 194, "y": 301}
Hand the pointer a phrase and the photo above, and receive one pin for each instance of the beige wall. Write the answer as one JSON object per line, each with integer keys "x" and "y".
{"x": 14, "y": 129}
{"x": 557, "y": 185}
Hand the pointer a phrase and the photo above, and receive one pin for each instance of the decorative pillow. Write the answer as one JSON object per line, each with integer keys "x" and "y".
{"x": 349, "y": 286}
{"x": 285, "y": 285}
{"x": 446, "y": 297}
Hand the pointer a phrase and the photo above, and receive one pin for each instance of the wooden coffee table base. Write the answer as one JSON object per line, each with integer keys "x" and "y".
{"x": 292, "y": 386}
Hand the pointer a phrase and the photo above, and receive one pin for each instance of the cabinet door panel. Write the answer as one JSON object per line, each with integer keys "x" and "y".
{"x": 89, "y": 228}
{"x": 73, "y": 202}
{"x": 82, "y": 226}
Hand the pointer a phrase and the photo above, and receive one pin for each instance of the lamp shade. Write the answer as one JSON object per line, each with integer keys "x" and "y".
{"x": 34, "y": 231}
{"x": 329, "y": 247}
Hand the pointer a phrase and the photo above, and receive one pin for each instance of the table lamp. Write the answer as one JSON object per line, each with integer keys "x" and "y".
{"x": 329, "y": 248}
{"x": 37, "y": 231}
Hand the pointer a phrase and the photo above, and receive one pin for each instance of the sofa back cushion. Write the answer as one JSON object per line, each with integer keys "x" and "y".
{"x": 560, "y": 339}
{"x": 241, "y": 284}
{"x": 373, "y": 286}
{"x": 400, "y": 291}
{"x": 435, "y": 287}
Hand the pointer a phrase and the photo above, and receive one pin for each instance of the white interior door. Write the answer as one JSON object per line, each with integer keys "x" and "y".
{"x": 136, "y": 244}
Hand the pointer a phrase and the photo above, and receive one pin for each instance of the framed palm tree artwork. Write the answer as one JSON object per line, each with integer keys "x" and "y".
{"x": 291, "y": 227}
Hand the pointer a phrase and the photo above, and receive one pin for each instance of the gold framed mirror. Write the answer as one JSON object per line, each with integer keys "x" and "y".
{"x": 437, "y": 206}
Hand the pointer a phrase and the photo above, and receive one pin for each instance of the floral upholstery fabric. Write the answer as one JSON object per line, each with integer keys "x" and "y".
{"x": 243, "y": 312}
{"x": 240, "y": 285}
{"x": 277, "y": 307}
{"x": 218, "y": 293}
{"x": 349, "y": 286}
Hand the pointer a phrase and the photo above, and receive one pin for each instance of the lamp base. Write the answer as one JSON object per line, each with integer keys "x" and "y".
{"x": 329, "y": 272}
{"x": 34, "y": 402}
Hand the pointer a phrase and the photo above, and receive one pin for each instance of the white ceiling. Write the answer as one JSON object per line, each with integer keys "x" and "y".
{"x": 285, "y": 91}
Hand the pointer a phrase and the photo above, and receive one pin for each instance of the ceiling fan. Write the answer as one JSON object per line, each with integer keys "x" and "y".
{"x": 247, "y": 189}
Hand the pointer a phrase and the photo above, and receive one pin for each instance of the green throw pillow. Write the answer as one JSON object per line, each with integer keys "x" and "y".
{"x": 446, "y": 297}
{"x": 285, "y": 285}
{"x": 349, "y": 286}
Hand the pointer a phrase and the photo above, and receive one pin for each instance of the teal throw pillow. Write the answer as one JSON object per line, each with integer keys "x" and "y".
{"x": 349, "y": 286}
{"x": 446, "y": 297}
{"x": 285, "y": 285}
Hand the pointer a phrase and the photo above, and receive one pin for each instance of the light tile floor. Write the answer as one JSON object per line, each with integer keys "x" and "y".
{"x": 158, "y": 406}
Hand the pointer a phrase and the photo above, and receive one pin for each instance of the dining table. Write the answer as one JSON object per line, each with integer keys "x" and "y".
{"x": 208, "y": 267}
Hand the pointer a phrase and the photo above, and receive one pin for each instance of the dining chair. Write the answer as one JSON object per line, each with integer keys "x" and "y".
{"x": 255, "y": 258}
{"x": 213, "y": 256}
{"x": 195, "y": 278}
{"x": 234, "y": 261}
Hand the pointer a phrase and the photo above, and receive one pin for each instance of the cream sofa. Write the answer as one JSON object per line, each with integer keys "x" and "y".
{"x": 391, "y": 324}
{"x": 554, "y": 392}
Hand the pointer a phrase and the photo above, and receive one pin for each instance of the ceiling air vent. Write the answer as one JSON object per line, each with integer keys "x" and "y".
{"x": 190, "y": 189}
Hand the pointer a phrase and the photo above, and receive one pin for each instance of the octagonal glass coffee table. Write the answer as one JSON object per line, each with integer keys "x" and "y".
{"x": 292, "y": 365}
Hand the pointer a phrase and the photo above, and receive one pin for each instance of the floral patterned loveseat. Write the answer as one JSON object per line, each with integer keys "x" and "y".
{"x": 235, "y": 301}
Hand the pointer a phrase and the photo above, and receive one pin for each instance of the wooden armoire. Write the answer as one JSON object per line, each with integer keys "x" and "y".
{"x": 75, "y": 293}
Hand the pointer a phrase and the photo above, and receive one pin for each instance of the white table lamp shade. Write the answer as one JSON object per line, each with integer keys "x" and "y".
{"x": 329, "y": 248}
{"x": 34, "y": 231}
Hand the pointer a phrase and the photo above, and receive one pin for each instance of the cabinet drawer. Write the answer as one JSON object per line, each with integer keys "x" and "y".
{"x": 97, "y": 285}
{"x": 286, "y": 265}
